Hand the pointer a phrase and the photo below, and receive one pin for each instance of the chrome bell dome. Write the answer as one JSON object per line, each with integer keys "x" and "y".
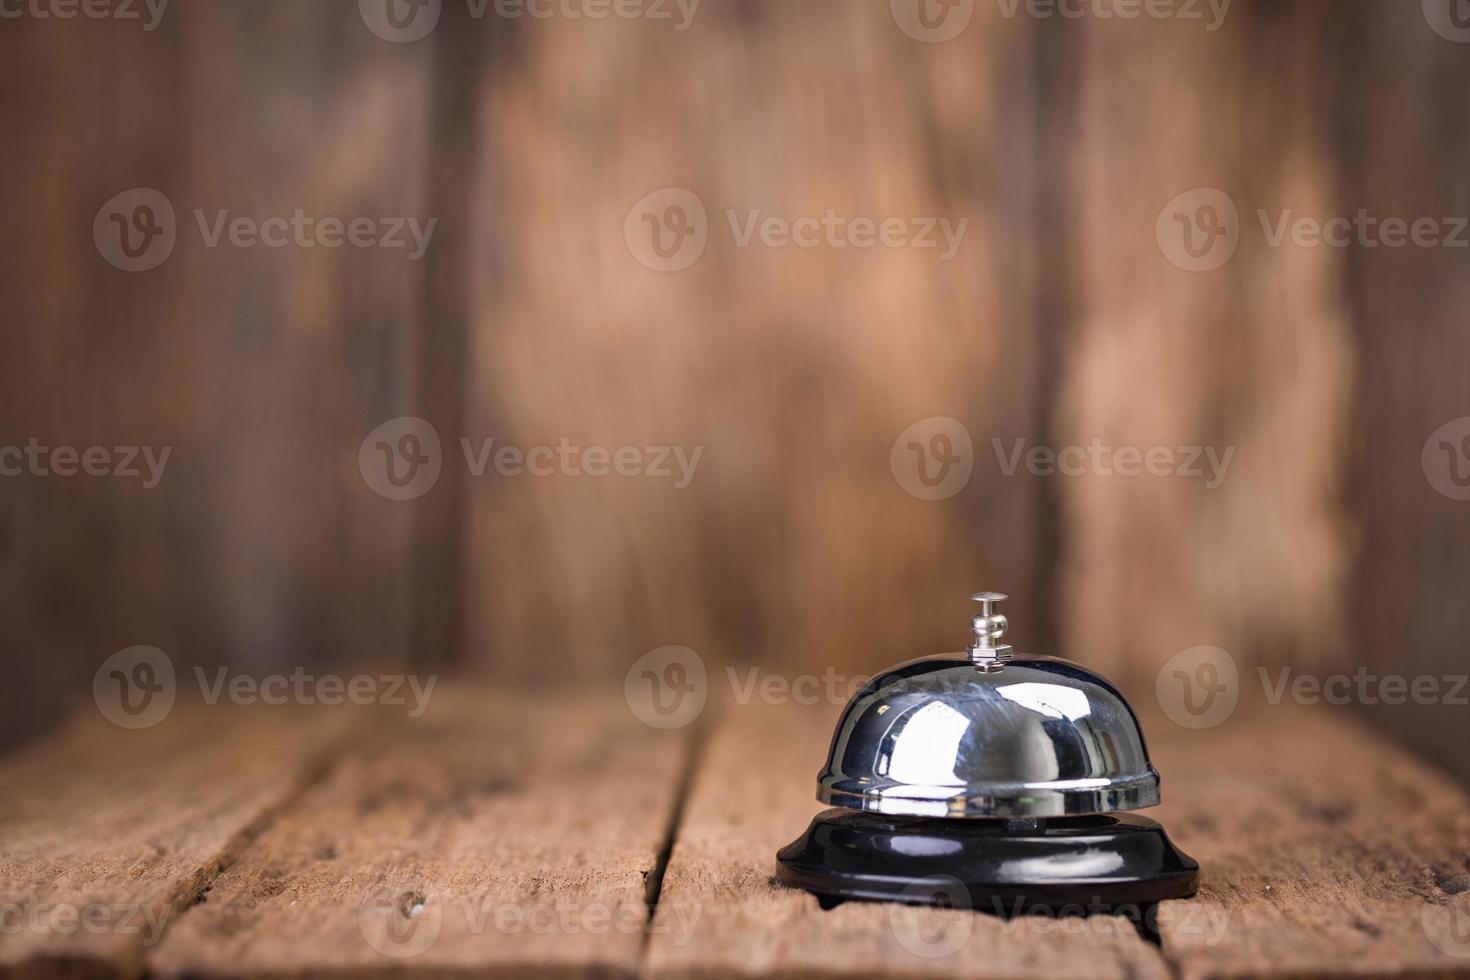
{"x": 988, "y": 733}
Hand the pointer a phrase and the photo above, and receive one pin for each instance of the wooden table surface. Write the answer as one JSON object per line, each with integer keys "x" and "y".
{"x": 525, "y": 836}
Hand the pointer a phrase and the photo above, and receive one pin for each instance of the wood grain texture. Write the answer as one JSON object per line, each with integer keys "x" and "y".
{"x": 505, "y": 835}
{"x": 794, "y": 369}
{"x": 107, "y": 835}
{"x": 1409, "y": 591}
{"x": 261, "y": 368}
{"x": 1324, "y": 851}
{"x": 753, "y": 794}
{"x": 84, "y": 562}
{"x": 1057, "y": 322}
{"x": 493, "y": 836}
{"x": 1254, "y": 357}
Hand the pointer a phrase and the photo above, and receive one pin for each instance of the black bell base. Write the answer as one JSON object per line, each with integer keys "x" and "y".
{"x": 1061, "y": 865}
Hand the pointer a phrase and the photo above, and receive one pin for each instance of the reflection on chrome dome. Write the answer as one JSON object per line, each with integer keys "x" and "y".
{"x": 1032, "y": 736}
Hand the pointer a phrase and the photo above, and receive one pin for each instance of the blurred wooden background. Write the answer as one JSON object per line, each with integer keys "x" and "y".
{"x": 1058, "y": 322}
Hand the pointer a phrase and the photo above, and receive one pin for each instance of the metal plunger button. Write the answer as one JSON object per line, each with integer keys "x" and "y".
{"x": 986, "y": 651}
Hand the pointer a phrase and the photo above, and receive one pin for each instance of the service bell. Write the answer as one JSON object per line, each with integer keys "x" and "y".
{"x": 1004, "y": 777}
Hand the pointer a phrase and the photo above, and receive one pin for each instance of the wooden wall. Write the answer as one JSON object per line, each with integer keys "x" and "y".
{"x": 1059, "y": 321}
{"x": 259, "y": 366}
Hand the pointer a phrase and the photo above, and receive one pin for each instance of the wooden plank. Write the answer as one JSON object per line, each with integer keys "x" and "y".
{"x": 1410, "y": 613}
{"x": 1324, "y": 851}
{"x": 1252, "y": 357}
{"x": 721, "y": 913}
{"x": 453, "y": 269}
{"x": 492, "y": 836}
{"x": 106, "y": 834}
{"x": 794, "y": 369}
{"x": 84, "y": 360}
{"x": 261, "y": 368}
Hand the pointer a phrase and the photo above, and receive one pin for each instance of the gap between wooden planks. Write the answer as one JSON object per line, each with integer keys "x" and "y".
{"x": 107, "y": 835}
{"x": 517, "y": 836}
{"x": 722, "y": 914}
{"x": 1324, "y": 852}
{"x": 494, "y": 835}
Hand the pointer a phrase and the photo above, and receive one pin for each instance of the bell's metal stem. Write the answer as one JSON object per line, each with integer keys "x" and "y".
{"x": 987, "y": 652}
